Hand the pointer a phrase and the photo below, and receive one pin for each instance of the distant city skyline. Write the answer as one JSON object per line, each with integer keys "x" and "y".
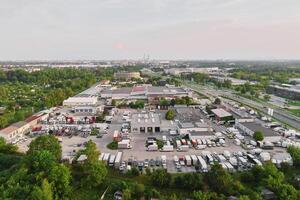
{"x": 162, "y": 29}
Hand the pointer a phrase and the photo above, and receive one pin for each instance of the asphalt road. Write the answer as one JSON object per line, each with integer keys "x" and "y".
{"x": 279, "y": 114}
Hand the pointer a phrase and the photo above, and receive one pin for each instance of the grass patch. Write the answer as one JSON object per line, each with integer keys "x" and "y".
{"x": 295, "y": 112}
{"x": 294, "y": 103}
{"x": 113, "y": 145}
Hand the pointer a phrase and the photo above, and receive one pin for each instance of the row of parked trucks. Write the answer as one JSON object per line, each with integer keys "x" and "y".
{"x": 111, "y": 159}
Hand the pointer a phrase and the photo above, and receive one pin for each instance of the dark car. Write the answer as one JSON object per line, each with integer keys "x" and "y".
{"x": 140, "y": 165}
{"x": 152, "y": 163}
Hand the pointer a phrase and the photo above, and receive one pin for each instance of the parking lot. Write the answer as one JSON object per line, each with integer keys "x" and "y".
{"x": 138, "y": 151}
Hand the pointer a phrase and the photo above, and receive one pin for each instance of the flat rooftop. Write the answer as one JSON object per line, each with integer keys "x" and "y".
{"x": 258, "y": 127}
{"x": 201, "y": 133}
{"x": 221, "y": 112}
{"x": 186, "y": 125}
{"x": 145, "y": 118}
{"x": 188, "y": 114}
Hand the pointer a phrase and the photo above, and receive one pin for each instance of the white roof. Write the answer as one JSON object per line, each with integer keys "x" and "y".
{"x": 221, "y": 112}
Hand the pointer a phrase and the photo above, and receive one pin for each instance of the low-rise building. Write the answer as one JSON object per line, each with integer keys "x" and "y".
{"x": 126, "y": 75}
{"x": 189, "y": 127}
{"x": 15, "y": 132}
{"x": 222, "y": 115}
{"x": 81, "y": 100}
{"x": 250, "y": 128}
{"x": 85, "y": 109}
{"x": 145, "y": 123}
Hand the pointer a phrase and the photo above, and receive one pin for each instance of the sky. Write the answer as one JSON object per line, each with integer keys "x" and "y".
{"x": 162, "y": 29}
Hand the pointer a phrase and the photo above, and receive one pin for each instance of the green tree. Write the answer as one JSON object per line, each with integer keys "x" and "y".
{"x": 160, "y": 178}
{"x": 42, "y": 193}
{"x": 93, "y": 170}
{"x": 170, "y": 114}
{"x": 244, "y": 197}
{"x": 138, "y": 190}
{"x": 295, "y": 153}
{"x": 217, "y": 101}
{"x": 258, "y": 136}
{"x": 113, "y": 102}
{"x": 221, "y": 181}
{"x": 267, "y": 97}
{"x": 127, "y": 194}
{"x": 7, "y": 148}
{"x": 46, "y": 142}
{"x": 199, "y": 195}
{"x": 173, "y": 197}
{"x": 91, "y": 151}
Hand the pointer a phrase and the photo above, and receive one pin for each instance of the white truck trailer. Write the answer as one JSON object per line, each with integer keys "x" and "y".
{"x": 194, "y": 160}
{"x": 118, "y": 159}
{"x": 202, "y": 164}
{"x": 188, "y": 160}
{"x": 111, "y": 161}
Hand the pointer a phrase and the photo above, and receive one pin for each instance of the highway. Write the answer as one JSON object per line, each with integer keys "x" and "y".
{"x": 279, "y": 114}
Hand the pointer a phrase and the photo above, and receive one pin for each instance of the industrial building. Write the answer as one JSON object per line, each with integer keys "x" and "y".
{"x": 88, "y": 109}
{"x": 189, "y": 127}
{"x": 250, "y": 128}
{"x": 126, "y": 75}
{"x": 221, "y": 114}
{"x": 145, "y": 123}
{"x": 81, "y": 100}
{"x": 15, "y": 132}
{"x": 289, "y": 92}
{"x": 189, "y": 121}
{"x": 147, "y": 92}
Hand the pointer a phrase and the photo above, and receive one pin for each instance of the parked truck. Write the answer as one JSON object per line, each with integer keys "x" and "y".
{"x": 183, "y": 148}
{"x": 118, "y": 159}
{"x": 152, "y": 147}
{"x": 188, "y": 160}
{"x": 111, "y": 161}
{"x": 202, "y": 164}
{"x": 124, "y": 144}
{"x": 194, "y": 160}
{"x": 167, "y": 148}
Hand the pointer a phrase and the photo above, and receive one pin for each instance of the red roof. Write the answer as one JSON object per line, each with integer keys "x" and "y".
{"x": 31, "y": 118}
{"x": 138, "y": 89}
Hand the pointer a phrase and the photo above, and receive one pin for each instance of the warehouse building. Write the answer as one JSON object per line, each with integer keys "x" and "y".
{"x": 145, "y": 123}
{"x": 147, "y": 92}
{"x": 126, "y": 75}
{"x": 81, "y": 100}
{"x": 189, "y": 127}
{"x": 250, "y": 128}
{"x": 222, "y": 115}
{"x": 15, "y": 132}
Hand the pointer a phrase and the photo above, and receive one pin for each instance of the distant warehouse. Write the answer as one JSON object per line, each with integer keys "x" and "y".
{"x": 81, "y": 100}
{"x": 126, "y": 75}
{"x": 250, "y": 128}
{"x": 222, "y": 115}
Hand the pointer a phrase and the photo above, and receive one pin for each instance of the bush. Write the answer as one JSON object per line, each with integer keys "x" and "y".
{"x": 258, "y": 136}
{"x": 170, "y": 115}
{"x": 113, "y": 145}
{"x": 160, "y": 178}
{"x": 295, "y": 153}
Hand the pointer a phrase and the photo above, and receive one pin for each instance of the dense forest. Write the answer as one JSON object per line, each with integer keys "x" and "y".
{"x": 280, "y": 74}
{"x": 23, "y": 93}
